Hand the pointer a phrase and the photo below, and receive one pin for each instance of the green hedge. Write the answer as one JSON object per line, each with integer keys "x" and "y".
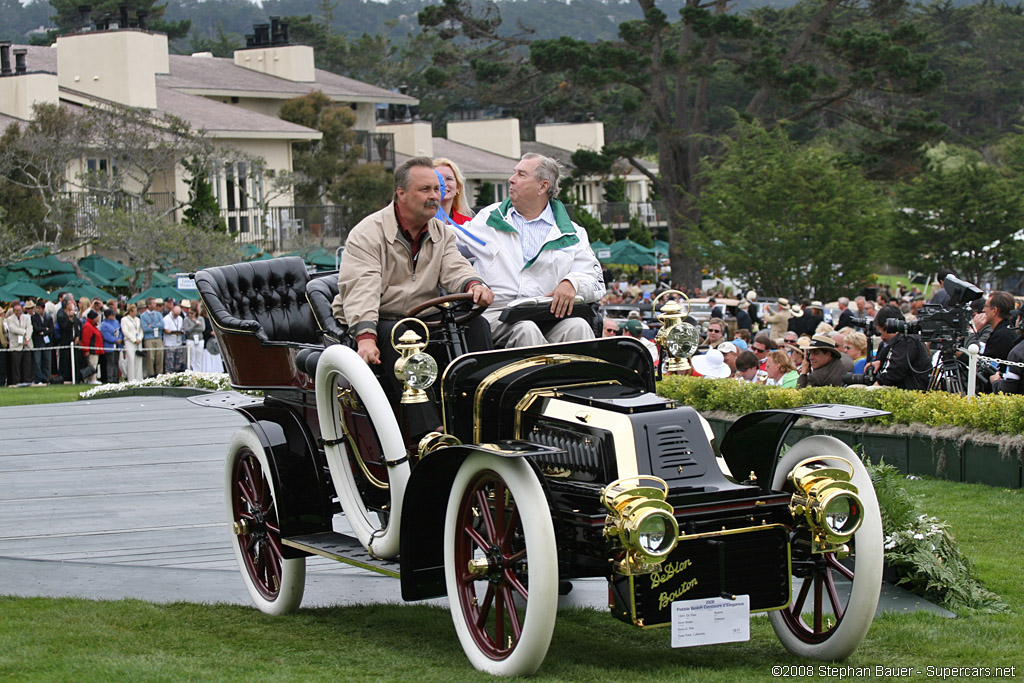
{"x": 994, "y": 413}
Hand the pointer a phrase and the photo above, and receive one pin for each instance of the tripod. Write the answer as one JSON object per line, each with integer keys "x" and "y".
{"x": 947, "y": 376}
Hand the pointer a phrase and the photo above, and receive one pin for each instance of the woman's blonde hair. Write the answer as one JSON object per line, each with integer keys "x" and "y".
{"x": 459, "y": 203}
{"x": 783, "y": 360}
{"x": 132, "y": 308}
{"x": 858, "y": 340}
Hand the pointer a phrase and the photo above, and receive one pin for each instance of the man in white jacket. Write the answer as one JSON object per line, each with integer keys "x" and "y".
{"x": 527, "y": 246}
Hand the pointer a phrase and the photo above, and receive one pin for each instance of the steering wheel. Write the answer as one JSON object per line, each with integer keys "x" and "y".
{"x": 450, "y": 304}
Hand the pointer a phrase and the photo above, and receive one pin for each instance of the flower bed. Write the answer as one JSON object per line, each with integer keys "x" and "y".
{"x": 209, "y": 381}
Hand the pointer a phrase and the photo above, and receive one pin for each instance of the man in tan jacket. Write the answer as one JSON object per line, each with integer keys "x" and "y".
{"x": 778, "y": 322}
{"x": 396, "y": 258}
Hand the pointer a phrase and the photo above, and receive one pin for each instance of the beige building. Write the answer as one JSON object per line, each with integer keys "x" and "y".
{"x": 234, "y": 101}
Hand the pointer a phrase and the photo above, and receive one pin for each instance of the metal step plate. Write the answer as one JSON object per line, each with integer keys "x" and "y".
{"x": 342, "y": 548}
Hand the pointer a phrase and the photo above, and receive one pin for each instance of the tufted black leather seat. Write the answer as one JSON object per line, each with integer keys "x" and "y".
{"x": 321, "y": 292}
{"x": 264, "y": 298}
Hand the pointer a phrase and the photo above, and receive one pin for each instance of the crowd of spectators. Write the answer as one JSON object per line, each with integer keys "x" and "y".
{"x": 91, "y": 341}
{"x": 802, "y": 342}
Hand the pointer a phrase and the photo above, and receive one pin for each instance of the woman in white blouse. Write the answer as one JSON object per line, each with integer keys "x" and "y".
{"x": 131, "y": 328}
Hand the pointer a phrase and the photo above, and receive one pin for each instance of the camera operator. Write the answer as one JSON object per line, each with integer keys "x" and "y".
{"x": 1002, "y": 339}
{"x": 1008, "y": 381}
{"x": 904, "y": 361}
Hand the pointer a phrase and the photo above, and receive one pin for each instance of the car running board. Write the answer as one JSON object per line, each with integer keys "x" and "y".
{"x": 342, "y": 548}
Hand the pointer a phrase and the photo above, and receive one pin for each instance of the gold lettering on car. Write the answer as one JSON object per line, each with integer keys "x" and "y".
{"x": 668, "y": 570}
{"x": 667, "y": 598}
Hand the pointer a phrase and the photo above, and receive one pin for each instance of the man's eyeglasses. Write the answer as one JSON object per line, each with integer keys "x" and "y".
{"x": 757, "y": 350}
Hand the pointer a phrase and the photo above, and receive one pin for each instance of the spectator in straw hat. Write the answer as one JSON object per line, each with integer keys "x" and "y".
{"x": 778, "y": 322}
{"x": 743, "y": 319}
{"x": 824, "y": 365}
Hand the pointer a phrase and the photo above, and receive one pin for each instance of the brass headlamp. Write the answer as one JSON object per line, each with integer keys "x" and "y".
{"x": 828, "y": 501}
{"x": 641, "y": 521}
{"x": 679, "y": 339}
{"x": 415, "y": 368}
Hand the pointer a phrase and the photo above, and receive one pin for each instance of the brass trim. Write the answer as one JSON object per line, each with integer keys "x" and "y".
{"x": 348, "y": 398}
{"x": 726, "y": 532}
{"x": 504, "y": 371}
{"x": 532, "y": 395}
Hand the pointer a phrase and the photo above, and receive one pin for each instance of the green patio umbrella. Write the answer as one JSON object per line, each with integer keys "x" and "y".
{"x": 106, "y": 268}
{"x": 23, "y": 289}
{"x": 661, "y": 247}
{"x": 316, "y": 256}
{"x": 41, "y": 265}
{"x": 60, "y": 279}
{"x": 80, "y": 287}
{"x": 628, "y": 252}
{"x": 164, "y": 291}
{"x": 157, "y": 279}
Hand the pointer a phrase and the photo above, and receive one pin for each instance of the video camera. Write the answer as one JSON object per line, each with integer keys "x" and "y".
{"x": 942, "y": 324}
{"x": 867, "y": 378}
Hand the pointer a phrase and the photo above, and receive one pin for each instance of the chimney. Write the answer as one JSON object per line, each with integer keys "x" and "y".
{"x": 115, "y": 65}
{"x": 19, "y": 89}
{"x": 5, "y": 58}
{"x": 267, "y": 51}
{"x": 122, "y": 16}
{"x": 261, "y": 33}
{"x": 498, "y": 136}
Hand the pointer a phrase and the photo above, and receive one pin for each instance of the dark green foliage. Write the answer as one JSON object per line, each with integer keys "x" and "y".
{"x": 781, "y": 218}
{"x": 321, "y": 164}
{"x": 615, "y": 189}
{"x": 484, "y": 194}
{"x": 922, "y": 551}
{"x": 203, "y": 210}
{"x": 596, "y": 232}
{"x": 640, "y": 233}
{"x": 961, "y": 213}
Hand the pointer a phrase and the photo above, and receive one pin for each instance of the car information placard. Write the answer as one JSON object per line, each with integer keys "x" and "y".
{"x": 710, "y": 620}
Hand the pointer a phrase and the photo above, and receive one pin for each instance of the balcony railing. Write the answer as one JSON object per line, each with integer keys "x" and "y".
{"x": 84, "y": 207}
{"x": 285, "y": 228}
{"x": 617, "y": 214}
{"x": 378, "y": 147}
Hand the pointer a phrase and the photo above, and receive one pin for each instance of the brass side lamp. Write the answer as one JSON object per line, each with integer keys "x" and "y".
{"x": 679, "y": 339}
{"x": 415, "y": 368}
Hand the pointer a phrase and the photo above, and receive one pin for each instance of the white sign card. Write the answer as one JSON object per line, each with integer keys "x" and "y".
{"x": 710, "y": 620}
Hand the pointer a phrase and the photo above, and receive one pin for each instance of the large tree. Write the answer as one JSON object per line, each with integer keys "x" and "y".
{"x": 961, "y": 213}
{"x": 330, "y": 169}
{"x": 790, "y": 219}
{"x": 825, "y": 62}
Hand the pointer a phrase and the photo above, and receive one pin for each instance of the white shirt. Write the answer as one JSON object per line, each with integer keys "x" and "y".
{"x": 532, "y": 233}
{"x": 172, "y": 324}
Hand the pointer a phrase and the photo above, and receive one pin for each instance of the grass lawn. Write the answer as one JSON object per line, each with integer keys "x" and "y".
{"x": 53, "y": 393}
{"x": 62, "y": 639}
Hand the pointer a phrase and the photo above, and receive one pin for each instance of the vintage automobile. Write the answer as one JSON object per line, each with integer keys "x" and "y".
{"x": 550, "y": 464}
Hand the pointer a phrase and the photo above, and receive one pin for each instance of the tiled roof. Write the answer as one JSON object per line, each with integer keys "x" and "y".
{"x": 227, "y": 120}
{"x": 210, "y": 75}
{"x": 220, "y": 75}
{"x": 473, "y": 162}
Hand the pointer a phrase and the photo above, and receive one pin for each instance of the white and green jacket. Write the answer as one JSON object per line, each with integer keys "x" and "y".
{"x": 496, "y": 246}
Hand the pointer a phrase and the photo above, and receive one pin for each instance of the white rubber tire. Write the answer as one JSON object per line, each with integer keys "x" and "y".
{"x": 288, "y": 595}
{"x": 868, "y": 555}
{"x": 537, "y": 626}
